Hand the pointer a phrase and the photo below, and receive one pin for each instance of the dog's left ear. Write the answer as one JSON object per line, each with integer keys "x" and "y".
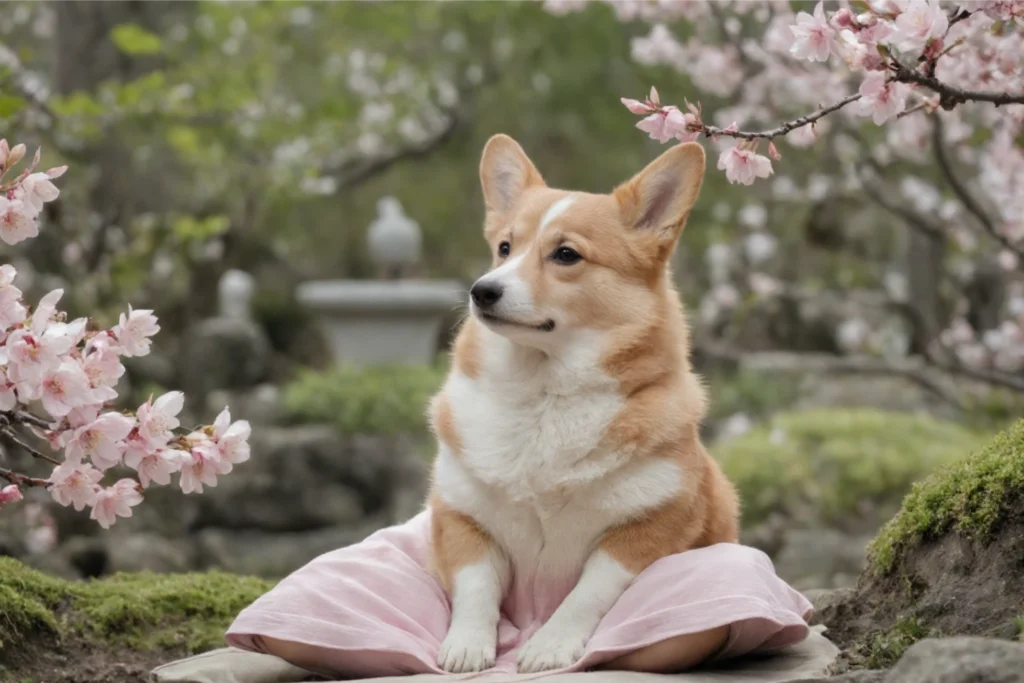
{"x": 659, "y": 198}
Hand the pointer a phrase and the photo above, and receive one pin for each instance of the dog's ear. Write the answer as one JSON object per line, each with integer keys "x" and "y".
{"x": 505, "y": 173}
{"x": 659, "y": 198}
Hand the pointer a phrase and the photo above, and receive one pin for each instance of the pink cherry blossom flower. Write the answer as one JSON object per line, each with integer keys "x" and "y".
{"x": 232, "y": 440}
{"x": 75, "y": 484}
{"x": 667, "y": 124}
{"x": 158, "y": 418}
{"x": 64, "y": 388}
{"x": 17, "y": 221}
{"x": 12, "y": 311}
{"x": 103, "y": 366}
{"x": 921, "y": 22}
{"x": 157, "y": 466}
{"x": 813, "y": 38}
{"x": 45, "y": 311}
{"x": 202, "y": 464}
{"x": 743, "y": 165}
{"x": 100, "y": 440}
{"x": 636, "y": 106}
{"x": 39, "y": 190}
{"x": 82, "y": 415}
{"x": 880, "y": 100}
{"x": 8, "y": 395}
{"x": 115, "y": 501}
{"x": 10, "y": 494}
{"x": 133, "y": 332}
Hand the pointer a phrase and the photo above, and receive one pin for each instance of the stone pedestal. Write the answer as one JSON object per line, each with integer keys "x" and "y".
{"x": 370, "y": 322}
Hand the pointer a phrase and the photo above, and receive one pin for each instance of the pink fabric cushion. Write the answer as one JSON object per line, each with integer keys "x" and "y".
{"x": 372, "y": 609}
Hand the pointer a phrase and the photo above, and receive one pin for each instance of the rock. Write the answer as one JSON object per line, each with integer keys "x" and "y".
{"x": 308, "y": 477}
{"x": 258, "y": 553}
{"x": 223, "y": 353}
{"x": 260, "y": 405}
{"x": 960, "y": 660}
{"x": 147, "y": 552}
{"x": 821, "y": 557}
{"x": 866, "y": 676}
{"x": 825, "y": 601}
{"x": 948, "y": 563}
{"x": 298, "y": 478}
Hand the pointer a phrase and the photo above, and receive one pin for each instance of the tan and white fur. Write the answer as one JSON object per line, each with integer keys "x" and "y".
{"x": 568, "y": 426}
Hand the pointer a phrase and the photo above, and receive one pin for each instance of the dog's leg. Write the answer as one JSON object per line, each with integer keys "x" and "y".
{"x": 562, "y": 640}
{"x": 623, "y": 552}
{"x": 475, "y": 572}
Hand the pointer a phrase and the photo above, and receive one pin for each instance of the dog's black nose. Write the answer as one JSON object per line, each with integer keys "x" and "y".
{"x": 485, "y": 294}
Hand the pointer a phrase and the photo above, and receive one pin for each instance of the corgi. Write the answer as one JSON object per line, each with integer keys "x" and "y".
{"x": 568, "y": 427}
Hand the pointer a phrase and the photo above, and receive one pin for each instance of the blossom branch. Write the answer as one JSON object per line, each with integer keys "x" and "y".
{"x": 22, "y": 480}
{"x": 787, "y": 127}
{"x": 23, "y": 417}
{"x": 9, "y": 434}
{"x": 969, "y": 201}
{"x": 950, "y": 96}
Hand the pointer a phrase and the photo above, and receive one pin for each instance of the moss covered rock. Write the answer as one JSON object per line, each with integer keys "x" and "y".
{"x": 43, "y": 618}
{"x": 834, "y": 465}
{"x": 971, "y": 496}
{"x": 951, "y": 562}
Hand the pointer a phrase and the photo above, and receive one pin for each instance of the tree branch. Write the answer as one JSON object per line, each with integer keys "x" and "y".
{"x": 950, "y": 96}
{"x": 21, "y": 479}
{"x": 361, "y": 172}
{"x": 959, "y": 188}
{"x": 789, "y": 126}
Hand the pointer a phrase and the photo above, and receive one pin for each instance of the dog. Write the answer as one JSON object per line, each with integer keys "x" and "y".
{"x": 568, "y": 426}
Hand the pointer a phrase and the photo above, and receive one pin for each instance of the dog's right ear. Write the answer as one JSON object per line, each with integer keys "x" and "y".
{"x": 505, "y": 173}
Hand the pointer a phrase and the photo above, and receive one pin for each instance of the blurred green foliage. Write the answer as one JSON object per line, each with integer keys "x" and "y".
{"x": 382, "y": 399}
{"x": 827, "y": 464}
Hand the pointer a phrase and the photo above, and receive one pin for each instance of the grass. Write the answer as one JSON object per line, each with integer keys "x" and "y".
{"x": 833, "y": 461}
{"x": 970, "y": 496}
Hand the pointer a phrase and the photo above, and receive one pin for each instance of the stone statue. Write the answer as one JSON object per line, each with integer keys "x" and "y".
{"x": 394, "y": 239}
{"x": 234, "y": 295}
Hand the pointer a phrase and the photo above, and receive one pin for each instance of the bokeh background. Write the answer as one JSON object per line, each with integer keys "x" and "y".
{"x": 224, "y": 155}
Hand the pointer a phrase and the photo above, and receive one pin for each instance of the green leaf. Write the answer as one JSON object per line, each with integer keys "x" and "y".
{"x": 132, "y": 39}
{"x": 10, "y": 105}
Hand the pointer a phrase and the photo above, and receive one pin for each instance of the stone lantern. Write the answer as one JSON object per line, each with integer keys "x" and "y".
{"x": 394, "y": 320}
{"x": 394, "y": 239}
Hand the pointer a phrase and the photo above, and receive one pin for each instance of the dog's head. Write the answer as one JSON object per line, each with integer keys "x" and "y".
{"x": 569, "y": 261}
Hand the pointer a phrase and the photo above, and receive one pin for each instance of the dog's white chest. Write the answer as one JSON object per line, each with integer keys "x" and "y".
{"x": 532, "y": 468}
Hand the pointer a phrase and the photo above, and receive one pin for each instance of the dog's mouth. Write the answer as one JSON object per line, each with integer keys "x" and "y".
{"x": 498, "y": 321}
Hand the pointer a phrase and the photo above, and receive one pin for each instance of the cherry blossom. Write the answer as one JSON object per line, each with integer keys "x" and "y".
{"x": 17, "y": 221}
{"x": 743, "y": 165}
{"x": 65, "y": 387}
{"x": 155, "y": 466}
{"x": 73, "y": 371}
{"x": 74, "y": 484}
{"x": 202, "y": 464}
{"x": 813, "y": 38}
{"x": 100, "y": 440}
{"x": 921, "y": 21}
{"x": 115, "y": 501}
{"x": 158, "y": 418}
{"x": 10, "y": 494}
{"x": 881, "y": 100}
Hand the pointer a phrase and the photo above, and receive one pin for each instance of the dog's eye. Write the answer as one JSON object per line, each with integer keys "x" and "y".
{"x": 503, "y": 249}
{"x": 566, "y": 256}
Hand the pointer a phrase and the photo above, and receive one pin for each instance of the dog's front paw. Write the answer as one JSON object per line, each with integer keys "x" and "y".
{"x": 551, "y": 649}
{"x": 466, "y": 651}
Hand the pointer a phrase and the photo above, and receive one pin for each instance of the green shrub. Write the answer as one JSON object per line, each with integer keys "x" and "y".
{"x": 830, "y": 462}
{"x": 381, "y": 399}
